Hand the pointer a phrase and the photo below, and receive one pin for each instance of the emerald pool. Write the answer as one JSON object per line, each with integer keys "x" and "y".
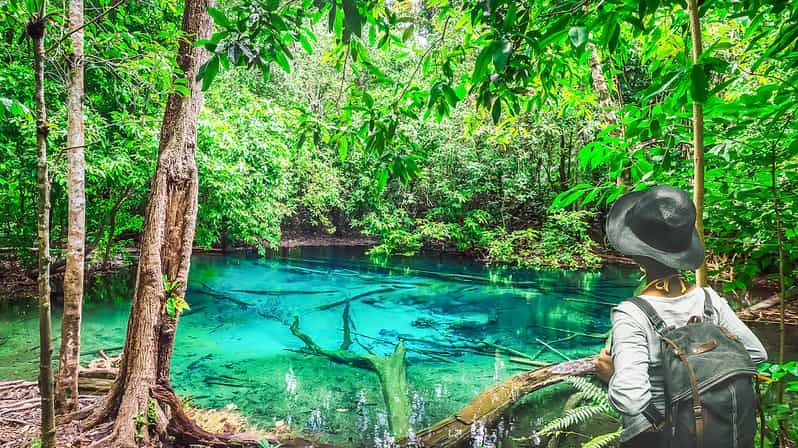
{"x": 235, "y": 346}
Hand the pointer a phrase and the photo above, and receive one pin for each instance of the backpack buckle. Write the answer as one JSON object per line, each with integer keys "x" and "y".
{"x": 698, "y": 410}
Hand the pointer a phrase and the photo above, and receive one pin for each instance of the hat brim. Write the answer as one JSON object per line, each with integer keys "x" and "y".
{"x": 625, "y": 241}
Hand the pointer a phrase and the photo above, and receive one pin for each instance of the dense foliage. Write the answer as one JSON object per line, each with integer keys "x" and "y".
{"x": 452, "y": 125}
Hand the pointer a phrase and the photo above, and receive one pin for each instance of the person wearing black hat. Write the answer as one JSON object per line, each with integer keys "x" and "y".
{"x": 657, "y": 229}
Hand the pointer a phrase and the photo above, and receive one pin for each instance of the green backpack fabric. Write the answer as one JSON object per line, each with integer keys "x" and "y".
{"x": 709, "y": 383}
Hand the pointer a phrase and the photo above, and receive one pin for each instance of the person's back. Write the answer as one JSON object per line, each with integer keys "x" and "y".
{"x": 657, "y": 229}
{"x": 637, "y": 353}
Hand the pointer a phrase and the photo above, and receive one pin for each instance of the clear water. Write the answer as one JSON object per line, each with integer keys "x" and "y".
{"x": 235, "y": 345}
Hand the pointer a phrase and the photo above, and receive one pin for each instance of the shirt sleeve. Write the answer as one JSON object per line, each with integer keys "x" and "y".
{"x": 728, "y": 319}
{"x": 629, "y": 388}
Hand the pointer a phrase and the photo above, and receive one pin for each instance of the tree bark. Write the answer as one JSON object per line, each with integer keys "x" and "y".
{"x": 69, "y": 359}
{"x": 166, "y": 244}
{"x": 36, "y": 31}
{"x": 698, "y": 142}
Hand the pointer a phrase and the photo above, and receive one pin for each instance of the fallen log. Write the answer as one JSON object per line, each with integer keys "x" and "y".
{"x": 488, "y": 407}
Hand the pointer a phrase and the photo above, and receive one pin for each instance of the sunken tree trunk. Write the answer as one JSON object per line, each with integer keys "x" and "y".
{"x": 698, "y": 141}
{"x": 163, "y": 267}
{"x": 391, "y": 371}
{"x": 67, "y": 377}
{"x": 36, "y": 31}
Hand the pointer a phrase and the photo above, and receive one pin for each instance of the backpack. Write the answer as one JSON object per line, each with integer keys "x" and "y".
{"x": 709, "y": 391}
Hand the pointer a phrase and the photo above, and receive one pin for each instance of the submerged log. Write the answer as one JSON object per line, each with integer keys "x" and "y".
{"x": 488, "y": 407}
{"x": 391, "y": 372}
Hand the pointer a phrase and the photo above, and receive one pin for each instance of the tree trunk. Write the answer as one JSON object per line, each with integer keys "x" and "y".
{"x": 67, "y": 377}
{"x": 166, "y": 244}
{"x": 36, "y": 31}
{"x": 605, "y": 102}
{"x": 698, "y": 142}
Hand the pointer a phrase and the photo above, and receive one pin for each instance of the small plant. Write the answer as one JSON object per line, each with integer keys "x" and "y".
{"x": 37, "y": 443}
{"x": 266, "y": 444}
{"x": 593, "y": 401}
{"x": 781, "y": 415}
{"x": 175, "y": 303}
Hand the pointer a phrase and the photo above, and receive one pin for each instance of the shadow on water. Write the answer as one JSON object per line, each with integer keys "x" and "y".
{"x": 235, "y": 346}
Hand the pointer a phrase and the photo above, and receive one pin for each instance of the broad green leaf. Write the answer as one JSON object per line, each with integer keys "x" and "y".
{"x": 698, "y": 83}
{"x": 496, "y": 111}
{"x": 219, "y": 18}
{"x": 501, "y": 52}
{"x": 208, "y": 71}
{"x": 352, "y": 17}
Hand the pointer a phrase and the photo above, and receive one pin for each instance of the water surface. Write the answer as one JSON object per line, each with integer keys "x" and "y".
{"x": 235, "y": 346}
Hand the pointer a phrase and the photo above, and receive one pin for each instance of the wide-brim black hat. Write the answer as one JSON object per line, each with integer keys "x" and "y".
{"x": 658, "y": 223}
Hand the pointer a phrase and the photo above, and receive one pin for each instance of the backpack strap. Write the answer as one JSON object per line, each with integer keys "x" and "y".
{"x": 656, "y": 321}
{"x": 709, "y": 310}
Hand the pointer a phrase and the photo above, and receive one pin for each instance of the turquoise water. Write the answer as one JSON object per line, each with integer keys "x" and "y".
{"x": 235, "y": 346}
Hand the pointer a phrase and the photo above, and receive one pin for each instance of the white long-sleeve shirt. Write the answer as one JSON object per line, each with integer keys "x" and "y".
{"x": 636, "y": 351}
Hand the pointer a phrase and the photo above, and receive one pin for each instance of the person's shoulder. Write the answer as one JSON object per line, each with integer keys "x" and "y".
{"x": 628, "y": 311}
{"x": 714, "y": 296}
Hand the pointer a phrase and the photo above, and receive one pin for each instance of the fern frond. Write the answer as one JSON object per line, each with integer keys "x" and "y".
{"x": 570, "y": 418}
{"x": 589, "y": 390}
{"x": 604, "y": 440}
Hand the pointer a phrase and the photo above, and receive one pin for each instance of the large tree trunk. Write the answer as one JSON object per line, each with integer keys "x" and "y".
{"x": 698, "y": 141}
{"x": 36, "y": 31}
{"x": 166, "y": 244}
{"x": 67, "y": 377}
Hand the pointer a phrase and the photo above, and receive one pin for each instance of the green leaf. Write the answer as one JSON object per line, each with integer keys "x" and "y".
{"x": 510, "y": 16}
{"x": 616, "y": 34}
{"x": 501, "y": 53}
{"x": 282, "y": 60}
{"x": 170, "y": 307}
{"x": 698, "y": 83}
{"x": 382, "y": 179}
{"x": 208, "y": 71}
{"x": 578, "y": 36}
{"x": 305, "y": 43}
{"x": 354, "y": 21}
{"x": 219, "y": 18}
{"x": 496, "y": 112}
{"x": 408, "y": 33}
{"x": 481, "y": 65}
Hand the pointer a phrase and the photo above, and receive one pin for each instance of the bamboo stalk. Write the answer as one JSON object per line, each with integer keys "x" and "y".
{"x": 698, "y": 141}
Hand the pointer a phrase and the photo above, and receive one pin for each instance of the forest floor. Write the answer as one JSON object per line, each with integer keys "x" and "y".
{"x": 20, "y": 415}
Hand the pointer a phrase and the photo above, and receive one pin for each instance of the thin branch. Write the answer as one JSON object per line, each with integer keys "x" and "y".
{"x": 95, "y": 19}
{"x": 421, "y": 62}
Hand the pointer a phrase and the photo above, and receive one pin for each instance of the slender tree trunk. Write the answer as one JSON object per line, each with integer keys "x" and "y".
{"x": 605, "y": 102}
{"x": 166, "y": 245}
{"x": 36, "y": 31}
{"x": 67, "y": 378}
{"x": 780, "y": 245}
{"x": 698, "y": 142}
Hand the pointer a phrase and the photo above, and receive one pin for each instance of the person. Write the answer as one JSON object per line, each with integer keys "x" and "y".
{"x": 656, "y": 228}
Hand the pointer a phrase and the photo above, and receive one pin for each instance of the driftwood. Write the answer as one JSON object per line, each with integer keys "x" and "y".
{"x": 489, "y": 407}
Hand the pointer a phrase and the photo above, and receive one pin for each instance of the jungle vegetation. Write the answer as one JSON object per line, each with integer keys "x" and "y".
{"x": 500, "y": 129}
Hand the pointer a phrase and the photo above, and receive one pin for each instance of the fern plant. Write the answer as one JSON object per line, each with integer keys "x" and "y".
{"x": 592, "y": 401}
